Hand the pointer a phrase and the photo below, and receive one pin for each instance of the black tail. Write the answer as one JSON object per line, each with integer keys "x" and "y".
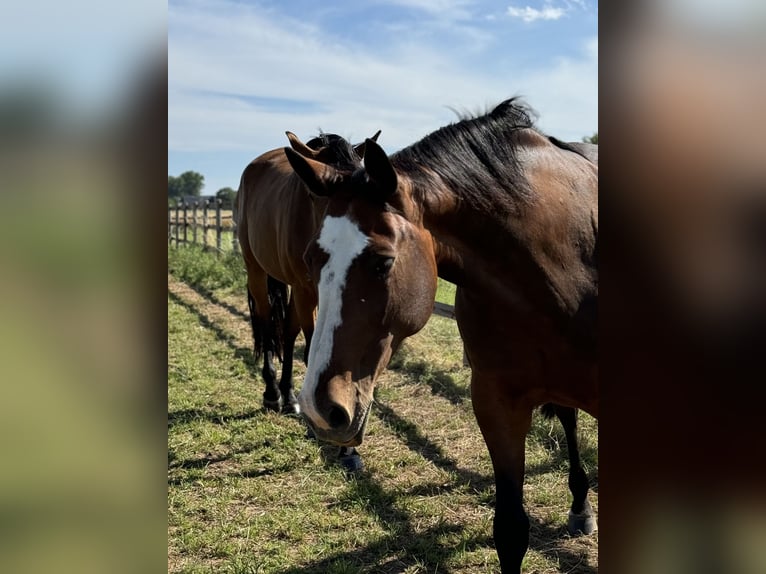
{"x": 278, "y": 302}
{"x": 269, "y": 337}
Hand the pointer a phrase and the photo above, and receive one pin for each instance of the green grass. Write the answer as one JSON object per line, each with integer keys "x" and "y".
{"x": 445, "y": 292}
{"x": 247, "y": 492}
{"x": 206, "y": 269}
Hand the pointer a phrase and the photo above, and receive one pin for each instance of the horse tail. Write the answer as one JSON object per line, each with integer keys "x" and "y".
{"x": 278, "y": 302}
{"x": 548, "y": 410}
{"x": 255, "y": 325}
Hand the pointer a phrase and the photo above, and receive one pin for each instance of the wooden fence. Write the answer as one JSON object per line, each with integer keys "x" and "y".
{"x": 191, "y": 220}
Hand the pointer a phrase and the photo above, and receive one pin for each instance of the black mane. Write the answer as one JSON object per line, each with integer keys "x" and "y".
{"x": 474, "y": 157}
{"x": 339, "y": 149}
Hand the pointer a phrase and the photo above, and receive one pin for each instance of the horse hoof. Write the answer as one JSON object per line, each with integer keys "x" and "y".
{"x": 272, "y": 405}
{"x": 291, "y": 408}
{"x": 581, "y": 524}
{"x": 310, "y": 434}
{"x": 352, "y": 463}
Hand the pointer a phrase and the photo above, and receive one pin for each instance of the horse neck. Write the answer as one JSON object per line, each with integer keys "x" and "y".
{"x": 465, "y": 245}
{"x": 487, "y": 250}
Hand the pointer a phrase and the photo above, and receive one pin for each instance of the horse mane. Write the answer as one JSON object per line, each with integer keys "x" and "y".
{"x": 475, "y": 157}
{"x": 338, "y": 148}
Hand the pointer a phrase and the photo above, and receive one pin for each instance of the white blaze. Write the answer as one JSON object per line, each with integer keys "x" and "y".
{"x": 342, "y": 240}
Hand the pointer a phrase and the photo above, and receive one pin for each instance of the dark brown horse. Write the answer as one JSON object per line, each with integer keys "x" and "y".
{"x": 511, "y": 217}
{"x": 277, "y": 217}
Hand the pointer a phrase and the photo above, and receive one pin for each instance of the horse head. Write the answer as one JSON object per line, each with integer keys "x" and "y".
{"x": 375, "y": 268}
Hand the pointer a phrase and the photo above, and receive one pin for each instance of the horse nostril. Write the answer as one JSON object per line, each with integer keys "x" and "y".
{"x": 338, "y": 417}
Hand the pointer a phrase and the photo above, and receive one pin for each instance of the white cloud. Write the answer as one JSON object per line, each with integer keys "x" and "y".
{"x": 235, "y": 71}
{"x": 453, "y": 9}
{"x": 529, "y": 14}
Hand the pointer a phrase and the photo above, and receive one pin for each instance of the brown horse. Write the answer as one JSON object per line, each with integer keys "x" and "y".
{"x": 277, "y": 217}
{"x": 511, "y": 217}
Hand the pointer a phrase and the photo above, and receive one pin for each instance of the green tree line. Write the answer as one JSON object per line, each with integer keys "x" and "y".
{"x": 190, "y": 184}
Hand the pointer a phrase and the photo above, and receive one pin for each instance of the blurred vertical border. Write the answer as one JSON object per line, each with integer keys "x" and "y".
{"x": 683, "y": 287}
{"x": 83, "y": 132}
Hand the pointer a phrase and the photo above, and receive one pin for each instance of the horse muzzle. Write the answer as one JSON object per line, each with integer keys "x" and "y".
{"x": 343, "y": 433}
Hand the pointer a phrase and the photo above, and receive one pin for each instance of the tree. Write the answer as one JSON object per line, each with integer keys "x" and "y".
{"x": 227, "y": 194}
{"x": 188, "y": 183}
{"x": 591, "y": 139}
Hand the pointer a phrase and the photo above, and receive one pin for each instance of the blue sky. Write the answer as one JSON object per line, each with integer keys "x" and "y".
{"x": 243, "y": 72}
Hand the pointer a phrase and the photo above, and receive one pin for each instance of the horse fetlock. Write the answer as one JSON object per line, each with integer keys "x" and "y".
{"x": 272, "y": 404}
{"x": 582, "y": 524}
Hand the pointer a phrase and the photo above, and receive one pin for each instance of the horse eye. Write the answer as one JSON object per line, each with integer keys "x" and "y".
{"x": 383, "y": 265}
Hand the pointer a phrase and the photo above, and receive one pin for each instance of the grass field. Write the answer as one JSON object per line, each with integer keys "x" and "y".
{"x": 248, "y": 493}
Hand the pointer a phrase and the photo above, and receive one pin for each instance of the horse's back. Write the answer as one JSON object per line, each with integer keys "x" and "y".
{"x": 278, "y": 215}
{"x": 587, "y": 150}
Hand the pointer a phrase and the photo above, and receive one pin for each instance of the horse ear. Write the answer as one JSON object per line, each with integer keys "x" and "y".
{"x": 316, "y": 175}
{"x": 378, "y": 167}
{"x": 301, "y": 147}
{"x": 359, "y": 148}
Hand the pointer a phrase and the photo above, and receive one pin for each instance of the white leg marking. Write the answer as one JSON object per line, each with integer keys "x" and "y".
{"x": 342, "y": 240}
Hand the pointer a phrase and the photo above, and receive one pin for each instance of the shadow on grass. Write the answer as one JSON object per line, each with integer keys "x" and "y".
{"x": 245, "y": 354}
{"x": 442, "y": 382}
{"x": 395, "y": 554}
{"x": 185, "y": 416}
{"x": 402, "y": 548}
{"x": 213, "y": 298}
{"x": 185, "y": 471}
{"x": 549, "y": 541}
{"x": 240, "y": 352}
{"x": 417, "y": 442}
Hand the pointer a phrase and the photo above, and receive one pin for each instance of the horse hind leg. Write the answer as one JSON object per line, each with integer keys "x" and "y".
{"x": 290, "y": 332}
{"x": 258, "y": 302}
{"x": 582, "y": 519}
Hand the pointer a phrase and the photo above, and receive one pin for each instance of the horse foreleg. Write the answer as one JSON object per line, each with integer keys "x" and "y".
{"x": 504, "y": 422}
{"x": 582, "y": 519}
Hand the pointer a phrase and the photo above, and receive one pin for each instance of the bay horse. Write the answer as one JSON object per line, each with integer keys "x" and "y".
{"x": 277, "y": 217}
{"x": 510, "y": 216}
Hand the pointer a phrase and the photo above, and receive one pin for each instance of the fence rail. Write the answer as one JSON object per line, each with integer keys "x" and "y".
{"x": 196, "y": 214}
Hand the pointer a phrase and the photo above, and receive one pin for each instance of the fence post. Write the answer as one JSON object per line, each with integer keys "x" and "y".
{"x": 178, "y": 219}
{"x": 204, "y": 222}
{"x": 170, "y": 234}
{"x": 186, "y": 238}
{"x": 194, "y": 221}
{"x": 218, "y": 202}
